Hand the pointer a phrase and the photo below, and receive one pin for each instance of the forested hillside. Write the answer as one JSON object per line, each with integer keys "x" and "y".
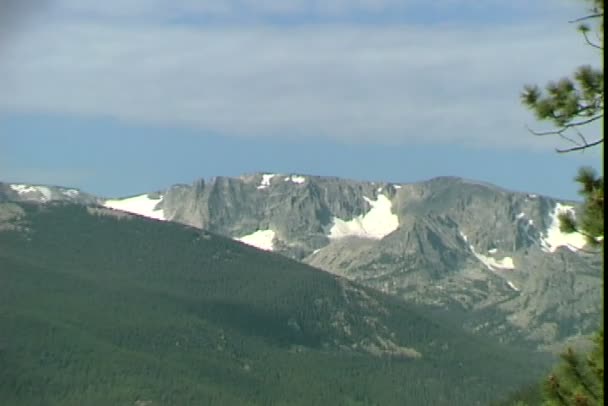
{"x": 99, "y": 308}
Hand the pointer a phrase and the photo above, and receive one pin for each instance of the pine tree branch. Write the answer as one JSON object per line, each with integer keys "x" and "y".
{"x": 597, "y": 105}
{"x": 560, "y": 133}
{"x": 584, "y": 122}
{"x": 566, "y": 127}
{"x": 554, "y": 390}
{"x": 575, "y": 368}
{"x": 581, "y": 136}
{"x": 589, "y": 42}
{"x": 588, "y": 17}
{"x": 580, "y": 147}
{"x": 584, "y": 144}
{"x": 569, "y": 104}
{"x": 599, "y": 38}
{"x": 590, "y": 237}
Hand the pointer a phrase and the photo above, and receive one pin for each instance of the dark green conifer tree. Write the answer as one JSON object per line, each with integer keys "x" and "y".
{"x": 570, "y": 104}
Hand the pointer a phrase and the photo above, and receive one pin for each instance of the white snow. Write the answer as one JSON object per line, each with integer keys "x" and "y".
{"x": 512, "y": 286}
{"x": 262, "y": 239}
{"x": 24, "y": 189}
{"x": 522, "y": 215}
{"x": 377, "y": 223}
{"x": 397, "y": 187}
{"x": 379, "y": 190}
{"x": 554, "y": 238}
{"x": 46, "y": 192}
{"x": 142, "y": 205}
{"x": 295, "y": 179}
{"x": 266, "y": 180}
{"x": 492, "y": 251}
{"x": 43, "y": 193}
{"x": 492, "y": 264}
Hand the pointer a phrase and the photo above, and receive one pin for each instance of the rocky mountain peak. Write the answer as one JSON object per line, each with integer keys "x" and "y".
{"x": 448, "y": 241}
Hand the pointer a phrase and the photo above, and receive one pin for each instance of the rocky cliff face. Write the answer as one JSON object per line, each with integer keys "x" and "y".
{"x": 494, "y": 258}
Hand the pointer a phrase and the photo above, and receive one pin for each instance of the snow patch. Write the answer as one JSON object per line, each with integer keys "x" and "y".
{"x": 377, "y": 223}
{"x": 553, "y": 238}
{"x": 512, "y": 286}
{"x": 22, "y": 189}
{"x": 523, "y": 215}
{"x": 142, "y": 205}
{"x": 266, "y": 180}
{"x": 46, "y": 193}
{"x": 71, "y": 193}
{"x": 262, "y": 239}
{"x": 492, "y": 251}
{"x": 25, "y": 189}
{"x": 397, "y": 187}
{"x": 296, "y": 179}
{"x": 492, "y": 264}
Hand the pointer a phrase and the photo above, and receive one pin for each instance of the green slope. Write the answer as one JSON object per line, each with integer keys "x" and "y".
{"x": 98, "y": 310}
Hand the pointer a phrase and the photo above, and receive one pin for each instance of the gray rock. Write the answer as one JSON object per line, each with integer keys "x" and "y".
{"x": 547, "y": 298}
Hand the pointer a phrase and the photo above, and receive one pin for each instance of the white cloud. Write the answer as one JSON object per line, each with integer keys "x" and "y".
{"x": 166, "y": 9}
{"x": 395, "y": 83}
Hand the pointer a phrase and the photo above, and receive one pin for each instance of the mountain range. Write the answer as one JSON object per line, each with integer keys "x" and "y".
{"x": 494, "y": 259}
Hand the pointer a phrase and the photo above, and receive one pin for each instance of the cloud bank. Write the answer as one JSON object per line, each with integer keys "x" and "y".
{"x": 357, "y": 82}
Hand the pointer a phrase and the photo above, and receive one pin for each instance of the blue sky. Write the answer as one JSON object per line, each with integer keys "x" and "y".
{"x": 122, "y": 97}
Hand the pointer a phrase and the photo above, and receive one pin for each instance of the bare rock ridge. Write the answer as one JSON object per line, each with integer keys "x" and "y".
{"x": 44, "y": 193}
{"x": 494, "y": 257}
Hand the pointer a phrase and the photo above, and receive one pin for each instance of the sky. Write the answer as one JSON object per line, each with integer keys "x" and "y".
{"x": 127, "y": 96}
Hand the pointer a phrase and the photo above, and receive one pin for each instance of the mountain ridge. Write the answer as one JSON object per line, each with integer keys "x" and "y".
{"x": 450, "y": 242}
